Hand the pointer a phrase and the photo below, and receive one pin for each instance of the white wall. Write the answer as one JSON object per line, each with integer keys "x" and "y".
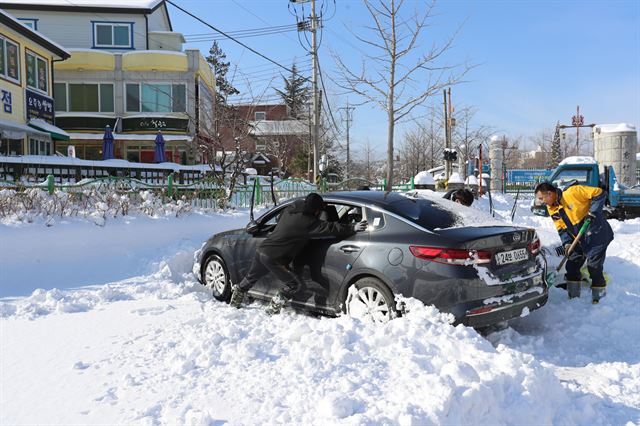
{"x": 158, "y": 20}
{"x": 74, "y": 30}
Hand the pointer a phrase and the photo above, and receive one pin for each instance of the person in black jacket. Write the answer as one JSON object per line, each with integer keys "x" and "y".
{"x": 298, "y": 223}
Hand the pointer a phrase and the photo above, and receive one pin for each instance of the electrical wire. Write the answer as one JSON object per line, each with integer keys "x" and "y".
{"x": 233, "y": 39}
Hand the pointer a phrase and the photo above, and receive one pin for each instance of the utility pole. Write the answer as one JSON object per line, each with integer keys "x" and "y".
{"x": 447, "y": 164}
{"x": 316, "y": 98}
{"x": 348, "y": 119}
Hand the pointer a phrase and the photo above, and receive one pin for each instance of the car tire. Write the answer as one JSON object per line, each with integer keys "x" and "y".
{"x": 215, "y": 277}
{"x": 370, "y": 299}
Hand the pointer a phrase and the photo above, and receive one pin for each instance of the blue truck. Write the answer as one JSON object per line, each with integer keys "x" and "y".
{"x": 622, "y": 202}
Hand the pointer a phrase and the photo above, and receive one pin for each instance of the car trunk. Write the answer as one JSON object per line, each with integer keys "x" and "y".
{"x": 511, "y": 259}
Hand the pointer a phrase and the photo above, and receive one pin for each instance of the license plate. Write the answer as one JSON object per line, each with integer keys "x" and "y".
{"x": 511, "y": 256}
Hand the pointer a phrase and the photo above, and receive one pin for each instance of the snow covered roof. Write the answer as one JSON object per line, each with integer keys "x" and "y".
{"x": 128, "y": 4}
{"x": 578, "y": 160}
{"x": 611, "y": 128}
{"x": 72, "y": 161}
{"x": 423, "y": 178}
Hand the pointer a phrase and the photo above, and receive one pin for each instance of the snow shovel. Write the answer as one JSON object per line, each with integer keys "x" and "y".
{"x": 551, "y": 277}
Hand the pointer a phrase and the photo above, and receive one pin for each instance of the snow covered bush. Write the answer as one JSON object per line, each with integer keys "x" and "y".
{"x": 93, "y": 203}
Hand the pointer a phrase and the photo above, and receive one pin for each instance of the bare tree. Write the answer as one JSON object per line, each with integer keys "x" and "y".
{"x": 467, "y": 137}
{"x": 400, "y": 75}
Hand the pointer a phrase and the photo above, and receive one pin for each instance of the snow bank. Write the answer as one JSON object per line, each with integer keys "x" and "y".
{"x": 455, "y": 178}
{"x": 423, "y": 178}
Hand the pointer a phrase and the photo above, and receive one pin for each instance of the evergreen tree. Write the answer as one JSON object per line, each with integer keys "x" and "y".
{"x": 296, "y": 94}
{"x": 224, "y": 88}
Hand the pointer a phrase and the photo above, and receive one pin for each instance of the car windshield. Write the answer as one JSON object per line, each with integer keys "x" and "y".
{"x": 425, "y": 213}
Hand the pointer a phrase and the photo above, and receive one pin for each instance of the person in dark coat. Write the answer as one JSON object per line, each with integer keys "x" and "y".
{"x": 297, "y": 225}
{"x": 569, "y": 209}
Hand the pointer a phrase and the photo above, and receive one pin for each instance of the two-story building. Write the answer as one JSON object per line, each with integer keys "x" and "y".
{"x": 271, "y": 138}
{"x": 26, "y": 89}
{"x": 127, "y": 70}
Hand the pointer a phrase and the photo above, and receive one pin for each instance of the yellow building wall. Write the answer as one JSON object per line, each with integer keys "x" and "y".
{"x": 88, "y": 61}
{"x": 204, "y": 71}
{"x": 148, "y": 61}
{"x": 18, "y": 114}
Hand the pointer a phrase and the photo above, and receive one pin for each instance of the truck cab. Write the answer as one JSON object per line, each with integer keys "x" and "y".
{"x": 622, "y": 202}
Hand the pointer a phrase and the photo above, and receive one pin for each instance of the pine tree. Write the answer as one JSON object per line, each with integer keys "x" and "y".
{"x": 220, "y": 68}
{"x": 296, "y": 94}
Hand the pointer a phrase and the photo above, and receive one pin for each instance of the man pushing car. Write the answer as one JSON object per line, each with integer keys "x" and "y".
{"x": 297, "y": 225}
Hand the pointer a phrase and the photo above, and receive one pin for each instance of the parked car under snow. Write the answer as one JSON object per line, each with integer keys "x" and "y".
{"x": 418, "y": 247}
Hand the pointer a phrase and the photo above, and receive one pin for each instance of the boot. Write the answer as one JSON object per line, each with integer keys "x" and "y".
{"x": 597, "y": 293}
{"x": 276, "y": 304}
{"x": 573, "y": 288}
{"x": 237, "y": 296}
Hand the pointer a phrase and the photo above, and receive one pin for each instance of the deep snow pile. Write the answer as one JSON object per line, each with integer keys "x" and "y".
{"x": 155, "y": 348}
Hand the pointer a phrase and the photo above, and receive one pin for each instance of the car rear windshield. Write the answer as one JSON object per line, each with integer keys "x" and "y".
{"x": 425, "y": 213}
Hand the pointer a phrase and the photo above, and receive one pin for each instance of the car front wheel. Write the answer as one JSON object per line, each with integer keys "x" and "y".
{"x": 370, "y": 299}
{"x": 216, "y": 278}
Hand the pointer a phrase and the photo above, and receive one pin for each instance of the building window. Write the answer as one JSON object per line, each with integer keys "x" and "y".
{"x": 37, "y": 72}
{"x": 9, "y": 60}
{"x": 29, "y": 22}
{"x": 260, "y": 115}
{"x": 156, "y": 97}
{"x": 114, "y": 35}
{"x": 39, "y": 147}
{"x": 80, "y": 97}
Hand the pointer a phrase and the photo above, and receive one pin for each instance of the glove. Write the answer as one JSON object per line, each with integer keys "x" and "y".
{"x": 566, "y": 248}
{"x": 361, "y": 226}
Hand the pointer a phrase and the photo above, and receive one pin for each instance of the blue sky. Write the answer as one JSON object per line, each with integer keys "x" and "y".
{"x": 536, "y": 60}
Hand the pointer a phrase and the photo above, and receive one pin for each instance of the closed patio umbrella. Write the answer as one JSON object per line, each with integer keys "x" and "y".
{"x": 158, "y": 156}
{"x": 107, "y": 144}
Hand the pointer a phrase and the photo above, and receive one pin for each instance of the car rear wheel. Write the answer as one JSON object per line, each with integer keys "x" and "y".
{"x": 370, "y": 299}
{"x": 216, "y": 278}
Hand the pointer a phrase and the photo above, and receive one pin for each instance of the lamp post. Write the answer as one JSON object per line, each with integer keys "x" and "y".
{"x": 577, "y": 121}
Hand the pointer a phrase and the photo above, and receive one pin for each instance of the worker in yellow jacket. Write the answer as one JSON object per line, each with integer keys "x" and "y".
{"x": 569, "y": 209}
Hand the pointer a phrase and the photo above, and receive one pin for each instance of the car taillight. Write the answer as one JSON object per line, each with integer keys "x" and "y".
{"x": 534, "y": 247}
{"x": 451, "y": 256}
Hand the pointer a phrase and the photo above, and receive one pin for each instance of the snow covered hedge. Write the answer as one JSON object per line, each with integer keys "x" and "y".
{"x": 91, "y": 203}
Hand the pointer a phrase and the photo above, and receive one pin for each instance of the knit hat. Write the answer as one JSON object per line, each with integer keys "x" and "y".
{"x": 313, "y": 203}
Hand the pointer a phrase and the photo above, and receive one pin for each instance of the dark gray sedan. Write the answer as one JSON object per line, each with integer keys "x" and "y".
{"x": 414, "y": 247}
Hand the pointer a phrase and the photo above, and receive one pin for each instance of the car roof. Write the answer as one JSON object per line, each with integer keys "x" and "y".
{"x": 377, "y": 198}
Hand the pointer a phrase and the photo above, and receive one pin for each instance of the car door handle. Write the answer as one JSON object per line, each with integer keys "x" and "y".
{"x": 350, "y": 249}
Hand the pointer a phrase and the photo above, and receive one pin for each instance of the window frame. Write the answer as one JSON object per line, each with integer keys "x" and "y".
{"x": 4, "y": 39}
{"x": 113, "y": 24}
{"x": 141, "y": 83}
{"x": 99, "y": 83}
{"x": 32, "y": 21}
{"x": 29, "y": 52}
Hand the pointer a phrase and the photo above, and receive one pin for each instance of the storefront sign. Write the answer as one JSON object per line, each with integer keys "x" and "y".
{"x": 39, "y": 106}
{"x": 71, "y": 151}
{"x": 154, "y": 123}
{"x": 6, "y": 101}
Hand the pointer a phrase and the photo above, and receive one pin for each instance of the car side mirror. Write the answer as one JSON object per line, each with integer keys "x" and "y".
{"x": 252, "y": 227}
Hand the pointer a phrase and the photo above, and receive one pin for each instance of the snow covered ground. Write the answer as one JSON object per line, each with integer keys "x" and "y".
{"x": 107, "y": 325}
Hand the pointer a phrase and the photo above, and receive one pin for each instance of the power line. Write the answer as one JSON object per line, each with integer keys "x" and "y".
{"x": 233, "y": 39}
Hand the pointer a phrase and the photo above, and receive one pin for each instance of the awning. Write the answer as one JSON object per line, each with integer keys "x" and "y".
{"x": 13, "y": 130}
{"x": 55, "y": 132}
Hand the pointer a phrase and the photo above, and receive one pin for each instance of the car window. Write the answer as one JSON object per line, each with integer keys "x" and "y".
{"x": 375, "y": 219}
{"x": 424, "y": 213}
{"x": 273, "y": 217}
{"x": 346, "y": 213}
{"x": 569, "y": 176}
